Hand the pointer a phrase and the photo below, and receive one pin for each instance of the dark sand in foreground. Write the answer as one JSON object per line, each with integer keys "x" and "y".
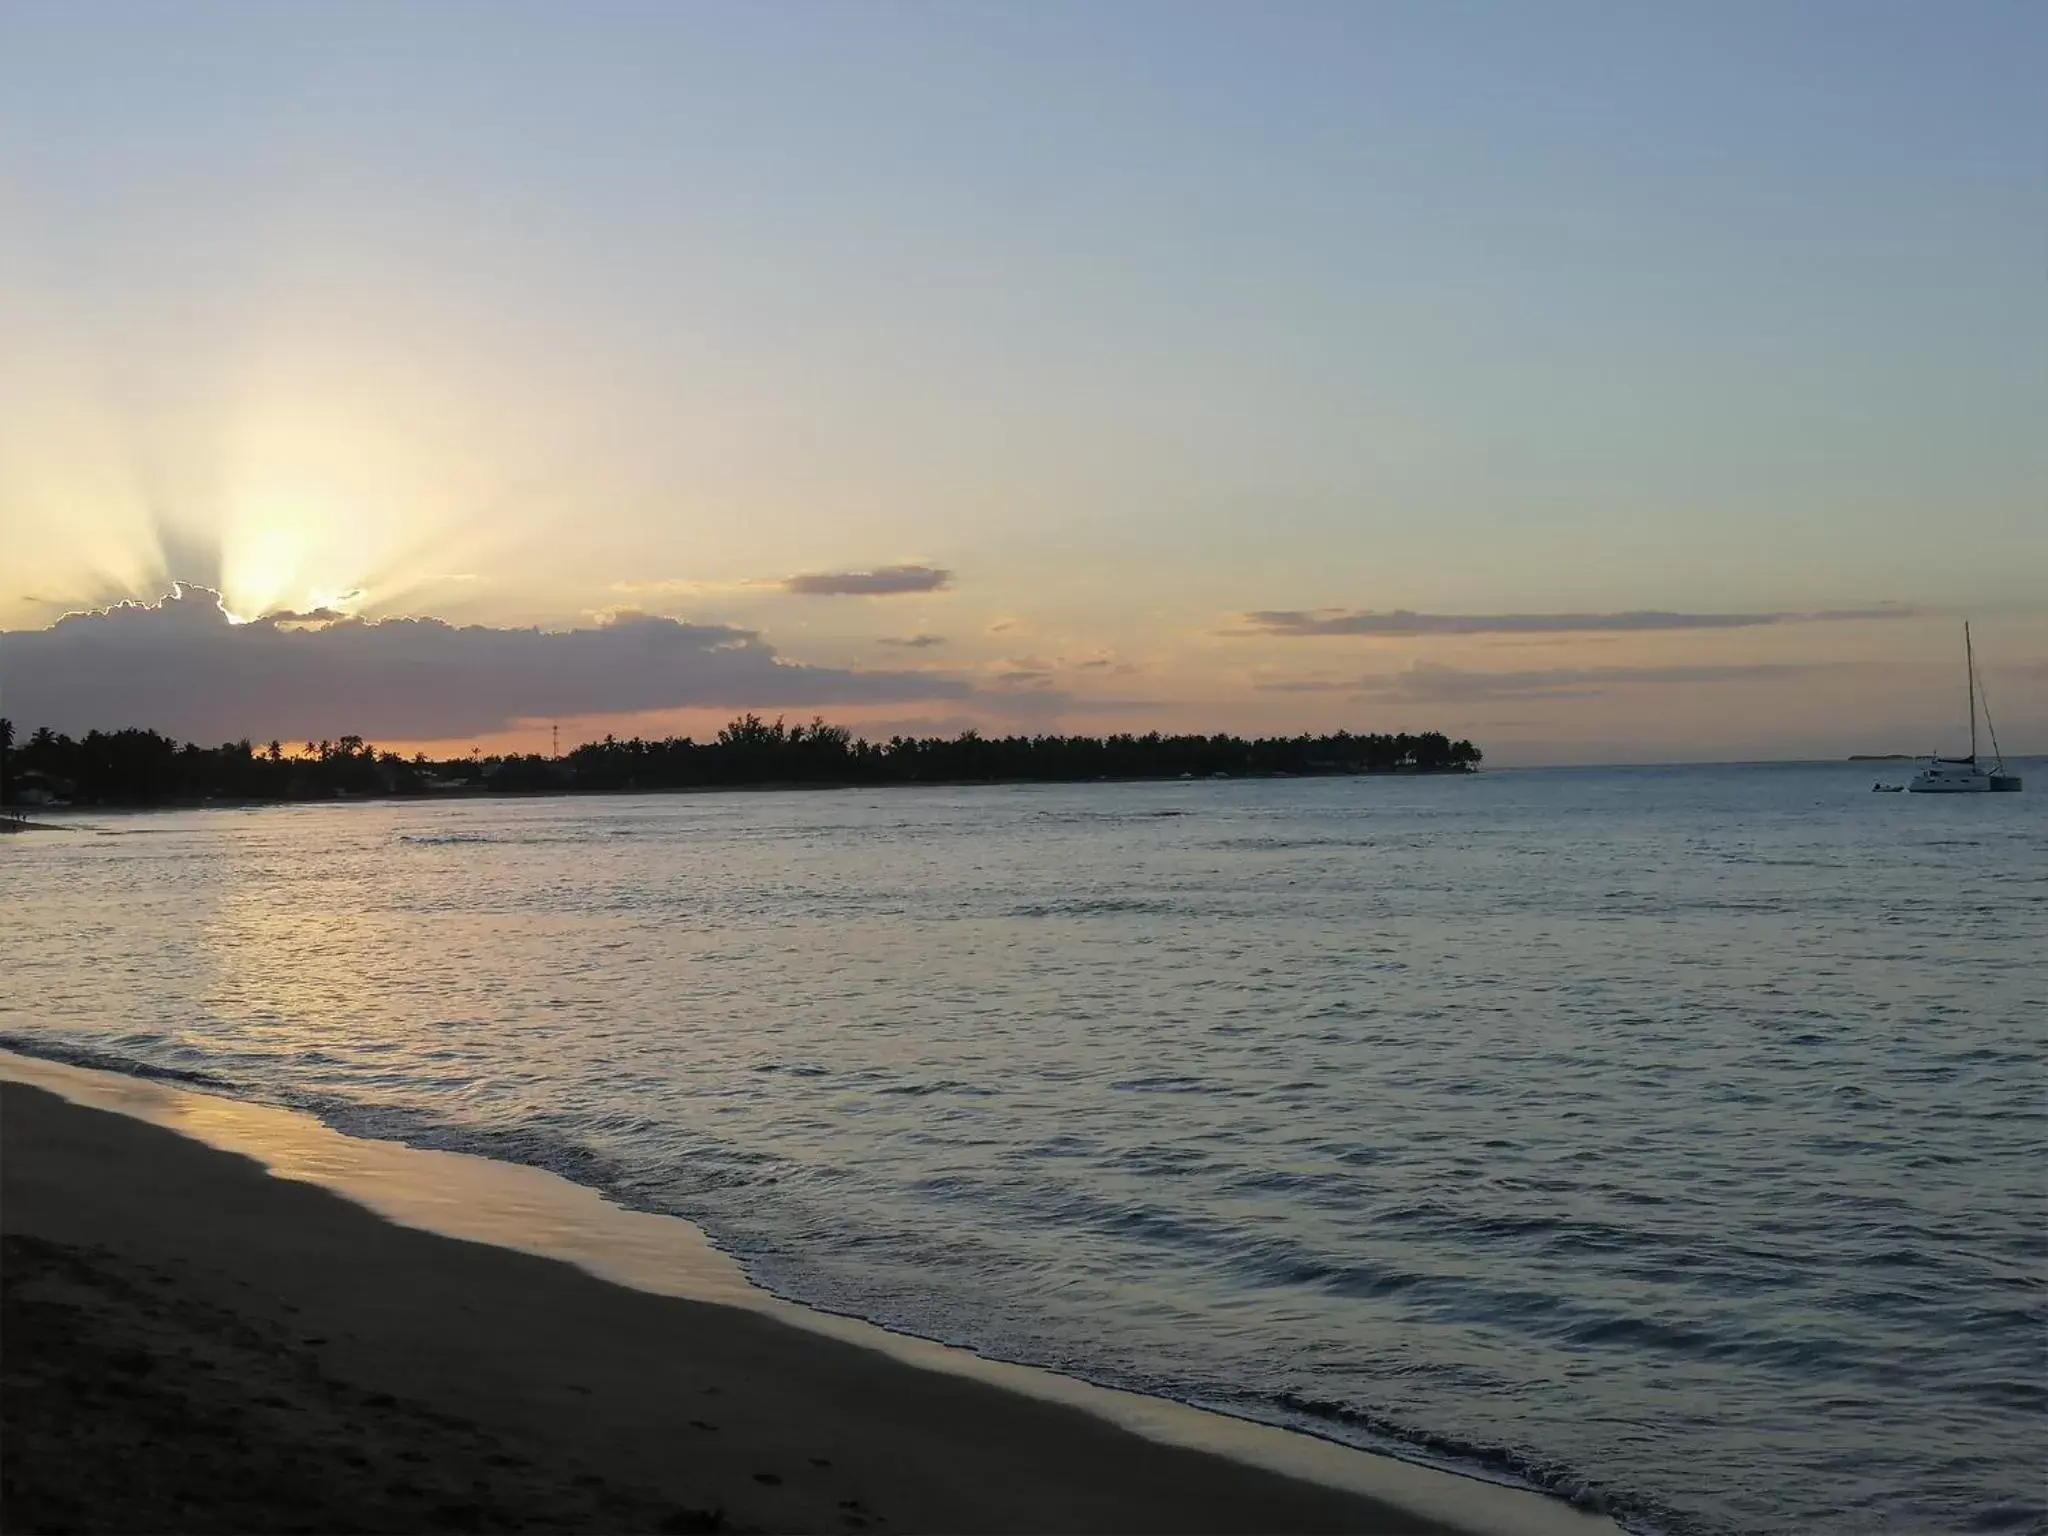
{"x": 187, "y": 1343}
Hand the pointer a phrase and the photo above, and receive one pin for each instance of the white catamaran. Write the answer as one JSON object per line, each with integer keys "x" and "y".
{"x": 1965, "y": 775}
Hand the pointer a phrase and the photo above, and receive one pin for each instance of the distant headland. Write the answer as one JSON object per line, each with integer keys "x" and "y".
{"x": 1881, "y": 757}
{"x": 135, "y": 767}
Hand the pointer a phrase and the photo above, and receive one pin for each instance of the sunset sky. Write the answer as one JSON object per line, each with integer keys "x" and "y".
{"x": 1599, "y": 381}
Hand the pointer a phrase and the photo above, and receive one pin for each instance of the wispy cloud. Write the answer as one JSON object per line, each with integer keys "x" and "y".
{"x": 1432, "y": 683}
{"x": 912, "y": 642}
{"x": 1307, "y": 685}
{"x": 880, "y": 581}
{"x": 883, "y": 581}
{"x": 1024, "y": 672}
{"x": 1297, "y": 622}
{"x": 690, "y": 586}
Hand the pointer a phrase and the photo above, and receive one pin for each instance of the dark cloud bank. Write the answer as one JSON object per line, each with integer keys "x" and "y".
{"x": 1430, "y": 683}
{"x": 1426, "y": 682}
{"x": 884, "y": 581}
{"x": 182, "y": 667}
{"x": 1341, "y": 621}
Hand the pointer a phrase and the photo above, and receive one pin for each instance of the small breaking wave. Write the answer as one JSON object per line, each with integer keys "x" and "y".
{"x": 1270, "y": 843}
{"x": 108, "y": 1061}
{"x": 524, "y": 1144}
{"x": 1495, "y": 1463}
{"x": 1099, "y": 817}
{"x": 1105, "y": 906}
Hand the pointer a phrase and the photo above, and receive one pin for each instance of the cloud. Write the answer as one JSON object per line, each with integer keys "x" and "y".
{"x": 309, "y": 616}
{"x": 685, "y": 586}
{"x": 1307, "y": 685}
{"x": 1024, "y": 671}
{"x": 1427, "y": 682}
{"x": 883, "y": 581}
{"x": 1295, "y": 622}
{"x": 913, "y": 642}
{"x": 183, "y": 667}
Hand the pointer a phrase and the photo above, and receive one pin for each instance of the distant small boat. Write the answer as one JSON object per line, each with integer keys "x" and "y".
{"x": 1888, "y": 789}
{"x": 1965, "y": 775}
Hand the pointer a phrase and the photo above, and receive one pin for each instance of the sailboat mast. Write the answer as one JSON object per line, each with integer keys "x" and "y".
{"x": 1970, "y": 673}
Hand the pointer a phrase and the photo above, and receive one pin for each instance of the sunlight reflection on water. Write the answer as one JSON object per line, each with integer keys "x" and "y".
{"x": 1673, "y": 1134}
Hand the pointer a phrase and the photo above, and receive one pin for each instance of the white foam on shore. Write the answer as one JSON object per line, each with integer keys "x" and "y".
{"x": 459, "y": 1195}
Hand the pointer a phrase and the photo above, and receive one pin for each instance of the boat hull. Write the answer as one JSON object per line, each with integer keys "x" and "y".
{"x": 1947, "y": 779}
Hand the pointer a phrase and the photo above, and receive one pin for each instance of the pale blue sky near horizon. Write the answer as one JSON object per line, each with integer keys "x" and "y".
{"x": 1133, "y": 316}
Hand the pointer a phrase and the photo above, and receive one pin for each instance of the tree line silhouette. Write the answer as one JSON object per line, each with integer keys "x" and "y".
{"x": 144, "y": 767}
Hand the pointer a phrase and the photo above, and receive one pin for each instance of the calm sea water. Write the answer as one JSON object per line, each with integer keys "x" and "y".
{"x": 1672, "y": 1138}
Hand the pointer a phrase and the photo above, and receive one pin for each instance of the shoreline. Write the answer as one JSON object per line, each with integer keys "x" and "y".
{"x": 12, "y": 823}
{"x": 761, "y": 786}
{"x": 75, "y": 817}
{"x": 926, "y": 1437}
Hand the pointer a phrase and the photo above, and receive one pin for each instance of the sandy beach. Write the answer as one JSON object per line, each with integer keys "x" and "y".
{"x": 193, "y": 1344}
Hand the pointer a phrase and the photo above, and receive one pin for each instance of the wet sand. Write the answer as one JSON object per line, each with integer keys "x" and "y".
{"x": 190, "y": 1343}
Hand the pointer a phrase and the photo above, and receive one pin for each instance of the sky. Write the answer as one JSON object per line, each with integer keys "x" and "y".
{"x": 1602, "y": 382}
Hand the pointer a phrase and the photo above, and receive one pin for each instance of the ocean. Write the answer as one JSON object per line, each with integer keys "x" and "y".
{"x": 1671, "y": 1139}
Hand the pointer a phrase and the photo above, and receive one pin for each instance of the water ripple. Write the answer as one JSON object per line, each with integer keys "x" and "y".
{"x": 1669, "y": 1139}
